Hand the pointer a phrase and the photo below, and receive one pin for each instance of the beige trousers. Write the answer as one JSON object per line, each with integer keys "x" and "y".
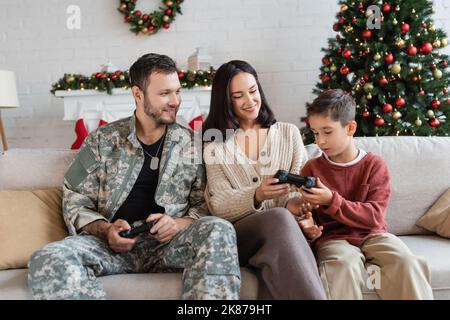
{"x": 383, "y": 263}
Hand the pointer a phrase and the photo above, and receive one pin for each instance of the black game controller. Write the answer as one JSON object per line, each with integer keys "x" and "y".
{"x": 285, "y": 177}
{"x": 133, "y": 232}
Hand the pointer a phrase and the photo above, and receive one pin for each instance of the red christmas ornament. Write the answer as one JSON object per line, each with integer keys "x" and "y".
{"x": 367, "y": 51}
{"x": 405, "y": 27}
{"x": 166, "y": 25}
{"x": 325, "y": 78}
{"x": 325, "y": 61}
{"x": 127, "y": 18}
{"x": 341, "y": 21}
{"x": 445, "y": 91}
{"x": 360, "y": 54}
{"x": 424, "y": 24}
{"x": 338, "y": 37}
{"x": 99, "y": 75}
{"x": 415, "y": 78}
{"x": 354, "y": 20}
{"x": 344, "y": 70}
{"x": 412, "y": 51}
{"x": 426, "y": 48}
{"x": 445, "y": 63}
{"x": 389, "y": 58}
{"x": 145, "y": 17}
{"x": 346, "y": 54}
{"x": 151, "y": 28}
{"x": 435, "y": 104}
{"x": 400, "y": 102}
{"x": 386, "y": 8}
{"x": 387, "y": 108}
{"x": 335, "y": 27}
{"x": 383, "y": 81}
{"x": 366, "y": 34}
{"x": 433, "y": 66}
{"x": 421, "y": 92}
{"x": 366, "y": 77}
{"x": 434, "y": 123}
{"x": 360, "y": 6}
{"x": 138, "y": 13}
{"x": 366, "y": 114}
{"x": 379, "y": 122}
{"x": 168, "y": 12}
{"x": 180, "y": 74}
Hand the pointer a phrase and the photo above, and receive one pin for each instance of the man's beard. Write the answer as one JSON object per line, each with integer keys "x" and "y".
{"x": 157, "y": 115}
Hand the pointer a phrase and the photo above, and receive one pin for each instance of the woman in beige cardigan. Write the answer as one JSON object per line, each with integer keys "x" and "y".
{"x": 248, "y": 146}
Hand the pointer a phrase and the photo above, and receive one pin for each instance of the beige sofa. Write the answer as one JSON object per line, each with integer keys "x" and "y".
{"x": 420, "y": 173}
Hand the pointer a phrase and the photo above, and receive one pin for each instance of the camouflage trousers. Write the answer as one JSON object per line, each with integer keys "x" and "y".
{"x": 206, "y": 250}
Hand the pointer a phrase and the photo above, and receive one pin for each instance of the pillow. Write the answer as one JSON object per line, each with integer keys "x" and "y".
{"x": 28, "y": 221}
{"x": 437, "y": 218}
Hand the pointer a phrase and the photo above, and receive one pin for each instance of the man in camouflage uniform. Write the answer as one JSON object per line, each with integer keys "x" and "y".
{"x": 103, "y": 191}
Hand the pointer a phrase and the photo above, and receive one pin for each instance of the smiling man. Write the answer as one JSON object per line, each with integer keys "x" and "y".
{"x": 133, "y": 171}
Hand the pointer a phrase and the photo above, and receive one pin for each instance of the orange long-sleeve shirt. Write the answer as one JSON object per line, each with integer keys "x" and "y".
{"x": 361, "y": 193}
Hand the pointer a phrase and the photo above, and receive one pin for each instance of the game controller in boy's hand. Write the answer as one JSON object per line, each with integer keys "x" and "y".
{"x": 285, "y": 177}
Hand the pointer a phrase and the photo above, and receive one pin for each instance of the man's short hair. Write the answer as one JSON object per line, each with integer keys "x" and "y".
{"x": 336, "y": 104}
{"x": 141, "y": 70}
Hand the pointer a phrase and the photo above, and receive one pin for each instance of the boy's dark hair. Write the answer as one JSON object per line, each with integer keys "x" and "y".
{"x": 221, "y": 115}
{"x": 336, "y": 104}
{"x": 141, "y": 70}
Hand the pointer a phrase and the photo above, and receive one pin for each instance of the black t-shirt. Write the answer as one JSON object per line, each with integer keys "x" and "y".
{"x": 141, "y": 200}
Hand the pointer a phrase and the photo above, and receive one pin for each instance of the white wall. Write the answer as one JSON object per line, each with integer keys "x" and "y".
{"x": 281, "y": 38}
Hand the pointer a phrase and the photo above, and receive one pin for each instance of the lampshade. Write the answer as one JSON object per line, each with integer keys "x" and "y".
{"x": 8, "y": 90}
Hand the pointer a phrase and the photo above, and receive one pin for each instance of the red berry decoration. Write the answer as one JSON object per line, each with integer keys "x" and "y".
{"x": 386, "y": 8}
{"x": 412, "y": 51}
{"x": 387, "y": 108}
{"x": 344, "y": 70}
{"x": 379, "y": 122}
{"x": 367, "y": 34}
{"x": 150, "y": 23}
{"x": 346, "y": 53}
{"x": 435, "y": 104}
{"x": 400, "y": 102}
{"x": 389, "y": 58}
{"x": 405, "y": 27}
{"x": 426, "y": 48}
{"x": 434, "y": 123}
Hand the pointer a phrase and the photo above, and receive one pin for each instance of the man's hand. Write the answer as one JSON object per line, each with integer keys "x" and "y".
{"x": 269, "y": 190}
{"x": 166, "y": 228}
{"x": 318, "y": 195}
{"x": 309, "y": 227}
{"x": 298, "y": 207}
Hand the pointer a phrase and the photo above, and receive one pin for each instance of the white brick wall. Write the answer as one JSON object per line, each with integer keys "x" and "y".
{"x": 281, "y": 38}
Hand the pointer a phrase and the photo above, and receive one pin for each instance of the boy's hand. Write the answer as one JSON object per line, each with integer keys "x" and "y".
{"x": 318, "y": 195}
{"x": 309, "y": 227}
{"x": 298, "y": 207}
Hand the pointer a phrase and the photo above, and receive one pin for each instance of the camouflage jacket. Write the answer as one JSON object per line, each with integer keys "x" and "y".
{"x": 105, "y": 170}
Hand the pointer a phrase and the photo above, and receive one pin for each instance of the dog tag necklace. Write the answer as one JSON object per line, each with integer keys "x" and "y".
{"x": 154, "y": 162}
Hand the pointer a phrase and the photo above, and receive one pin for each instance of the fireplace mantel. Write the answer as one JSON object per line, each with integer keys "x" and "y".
{"x": 93, "y": 106}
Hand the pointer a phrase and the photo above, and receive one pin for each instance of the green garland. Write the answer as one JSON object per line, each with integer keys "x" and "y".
{"x": 150, "y": 23}
{"x": 106, "y": 81}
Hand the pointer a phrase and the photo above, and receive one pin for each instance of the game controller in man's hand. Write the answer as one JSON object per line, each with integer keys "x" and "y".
{"x": 285, "y": 177}
{"x": 133, "y": 232}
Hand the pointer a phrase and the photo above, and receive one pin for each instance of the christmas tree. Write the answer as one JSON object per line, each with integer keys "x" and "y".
{"x": 387, "y": 55}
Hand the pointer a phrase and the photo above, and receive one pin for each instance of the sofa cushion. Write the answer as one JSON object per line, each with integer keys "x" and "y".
{"x": 419, "y": 172}
{"x": 437, "y": 219}
{"x": 28, "y": 221}
{"x": 31, "y": 169}
{"x": 136, "y": 286}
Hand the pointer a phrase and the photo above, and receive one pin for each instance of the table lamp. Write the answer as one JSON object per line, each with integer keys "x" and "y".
{"x": 8, "y": 99}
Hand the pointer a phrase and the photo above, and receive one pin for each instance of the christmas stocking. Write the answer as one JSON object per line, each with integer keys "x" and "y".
{"x": 196, "y": 123}
{"x": 82, "y": 133}
{"x": 102, "y": 122}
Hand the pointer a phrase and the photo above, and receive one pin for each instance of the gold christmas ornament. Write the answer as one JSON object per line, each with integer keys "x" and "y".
{"x": 418, "y": 122}
{"x": 333, "y": 68}
{"x": 369, "y": 96}
{"x": 376, "y": 56}
{"x": 396, "y": 115}
{"x": 396, "y": 68}
{"x": 431, "y": 28}
{"x": 400, "y": 43}
{"x": 394, "y": 22}
{"x": 348, "y": 29}
{"x": 444, "y": 42}
{"x": 140, "y": 22}
{"x": 413, "y": 11}
{"x": 368, "y": 86}
{"x": 430, "y": 114}
{"x": 436, "y": 43}
{"x": 437, "y": 74}
{"x": 166, "y": 18}
{"x": 343, "y": 8}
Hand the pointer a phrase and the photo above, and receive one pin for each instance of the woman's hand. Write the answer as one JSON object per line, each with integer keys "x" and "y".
{"x": 269, "y": 190}
{"x": 311, "y": 230}
{"x": 298, "y": 207}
